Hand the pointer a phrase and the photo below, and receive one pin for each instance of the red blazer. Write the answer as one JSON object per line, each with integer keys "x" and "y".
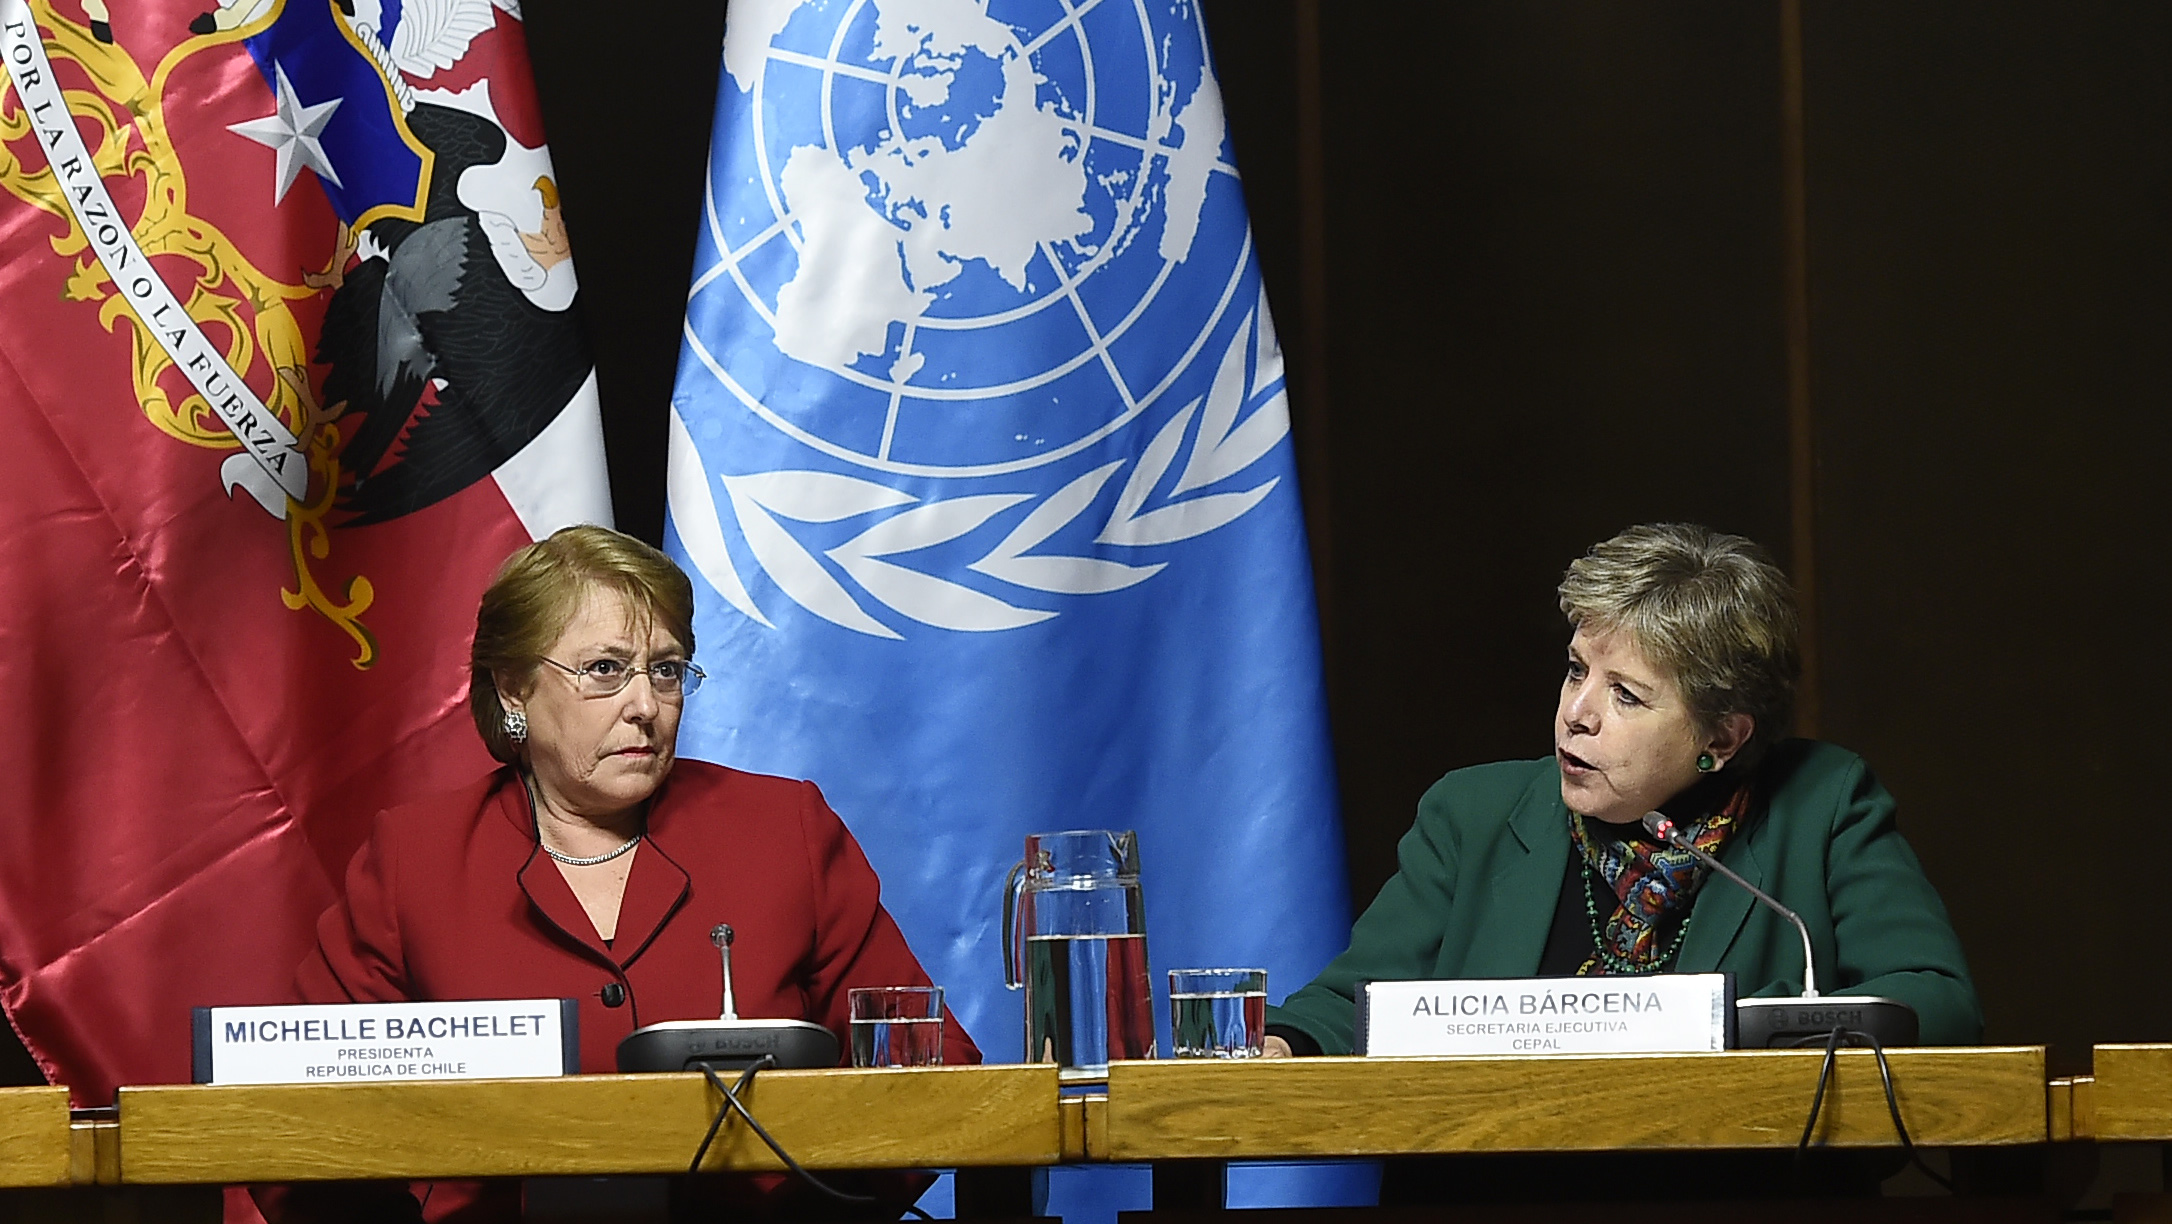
{"x": 452, "y": 898}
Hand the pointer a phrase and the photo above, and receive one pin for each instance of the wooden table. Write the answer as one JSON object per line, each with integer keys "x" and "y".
{"x": 1187, "y": 1118}
{"x": 588, "y": 1125}
{"x": 2129, "y": 1099}
{"x": 1175, "y": 1112}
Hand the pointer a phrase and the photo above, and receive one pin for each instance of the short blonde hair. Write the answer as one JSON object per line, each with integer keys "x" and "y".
{"x": 1711, "y": 609}
{"x": 535, "y": 596}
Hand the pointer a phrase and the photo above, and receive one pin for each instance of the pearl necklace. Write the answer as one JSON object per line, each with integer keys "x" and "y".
{"x": 528, "y": 785}
{"x": 593, "y": 859}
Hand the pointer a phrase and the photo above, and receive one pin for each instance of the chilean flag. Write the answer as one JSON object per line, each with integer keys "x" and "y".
{"x": 287, "y": 367}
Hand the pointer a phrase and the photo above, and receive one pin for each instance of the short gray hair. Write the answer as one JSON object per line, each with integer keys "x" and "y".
{"x": 1711, "y": 609}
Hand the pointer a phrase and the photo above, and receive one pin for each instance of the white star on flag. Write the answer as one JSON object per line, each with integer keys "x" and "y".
{"x": 292, "y": 133}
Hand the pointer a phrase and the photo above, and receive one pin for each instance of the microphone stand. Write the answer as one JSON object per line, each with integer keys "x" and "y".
{"x": 1762, "y": 1023}
{"x": 721, "y": 936}
{"x": 1664, "y": 829}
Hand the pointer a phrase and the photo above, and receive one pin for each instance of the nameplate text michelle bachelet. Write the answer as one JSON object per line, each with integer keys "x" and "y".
{"x": 1668, "y": 1013}
{"x": 361, "y": 1042}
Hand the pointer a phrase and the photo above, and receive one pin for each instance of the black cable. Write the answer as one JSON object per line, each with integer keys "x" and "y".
{"x": 1892, "y": 1106}
{"x": 1817, "y": 1101}
{"x": 1892, "y": 1102}
{"x": 732, "y": 1102}
{"x": 724, "y": 1107}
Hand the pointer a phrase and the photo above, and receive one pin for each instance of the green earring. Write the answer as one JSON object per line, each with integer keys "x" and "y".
{"x": 1705, "y": 763}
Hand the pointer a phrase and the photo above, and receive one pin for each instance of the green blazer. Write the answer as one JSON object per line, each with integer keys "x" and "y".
{"x": 1481, "y": 872}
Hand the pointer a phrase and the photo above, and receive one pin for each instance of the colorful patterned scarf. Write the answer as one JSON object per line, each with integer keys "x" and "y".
{"x": 1651, "y": 883}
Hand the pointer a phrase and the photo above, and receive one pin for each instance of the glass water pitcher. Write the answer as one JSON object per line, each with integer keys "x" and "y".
{"x": 1074, "y": 936}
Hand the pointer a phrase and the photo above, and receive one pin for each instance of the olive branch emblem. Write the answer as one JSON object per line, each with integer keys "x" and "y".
{"x": 1219, "y": 437}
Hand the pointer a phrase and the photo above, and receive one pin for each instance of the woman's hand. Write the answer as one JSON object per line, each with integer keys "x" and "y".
{"x": 1276, "y": 1048}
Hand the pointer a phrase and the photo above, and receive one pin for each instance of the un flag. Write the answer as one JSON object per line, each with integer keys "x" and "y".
{"x": 980, "y": 447}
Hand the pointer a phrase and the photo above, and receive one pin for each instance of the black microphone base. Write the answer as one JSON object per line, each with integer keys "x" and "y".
{"x": 1787, "y": 1023}
{"x": 676, "y": 1045}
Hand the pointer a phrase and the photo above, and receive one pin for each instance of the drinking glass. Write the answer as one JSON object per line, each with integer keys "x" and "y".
{"x": 897, "y": 1026}
{"x": 1218, "y": 1013}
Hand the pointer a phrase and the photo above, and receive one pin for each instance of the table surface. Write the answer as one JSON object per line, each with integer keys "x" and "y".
{"x": 1322, "y": 1107}
{"x": 587, "y": 1125}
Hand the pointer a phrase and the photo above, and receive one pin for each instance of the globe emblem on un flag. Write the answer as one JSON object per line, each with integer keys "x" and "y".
{"x": 956, "y": 240}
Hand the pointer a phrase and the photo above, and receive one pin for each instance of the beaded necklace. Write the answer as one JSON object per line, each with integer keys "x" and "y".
{"x": 1650, "y": 883}
{"x": 1602, "y": 955}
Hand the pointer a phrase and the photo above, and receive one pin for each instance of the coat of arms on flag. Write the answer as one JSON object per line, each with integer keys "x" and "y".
{"x": 379, "y": 347}
{"x": 287, "y": 367}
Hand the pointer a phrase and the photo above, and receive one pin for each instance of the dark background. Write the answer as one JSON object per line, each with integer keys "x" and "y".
{"x": 1884, "y": 286}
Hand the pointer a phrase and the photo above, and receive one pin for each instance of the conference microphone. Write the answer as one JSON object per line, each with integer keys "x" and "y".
{"x": 1657, "y": 824}
{"x": 727, "y": 1042}
{"x": 1796, "y": 1021}
{"x": 721, "y": 936}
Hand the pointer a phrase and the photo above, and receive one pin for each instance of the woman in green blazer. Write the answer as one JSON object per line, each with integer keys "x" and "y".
{"x": 1682, "y": 660}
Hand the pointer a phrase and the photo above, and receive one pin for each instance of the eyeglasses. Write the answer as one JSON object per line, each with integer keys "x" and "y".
{"x": 609, "y": 677}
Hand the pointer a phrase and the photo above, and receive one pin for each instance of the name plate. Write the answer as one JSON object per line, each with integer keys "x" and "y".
{"x": 1669, "y": 1013}
{"x": 355, "y": 1042}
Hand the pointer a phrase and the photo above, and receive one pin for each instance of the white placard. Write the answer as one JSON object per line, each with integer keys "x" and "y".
{"x": 1669, "y": 1013}
{"x": 327, "y": 1043}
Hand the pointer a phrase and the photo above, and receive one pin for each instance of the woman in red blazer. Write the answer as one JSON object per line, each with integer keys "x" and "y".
{"x": 593, "y": 864}
{"x": 454, "y": 898}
